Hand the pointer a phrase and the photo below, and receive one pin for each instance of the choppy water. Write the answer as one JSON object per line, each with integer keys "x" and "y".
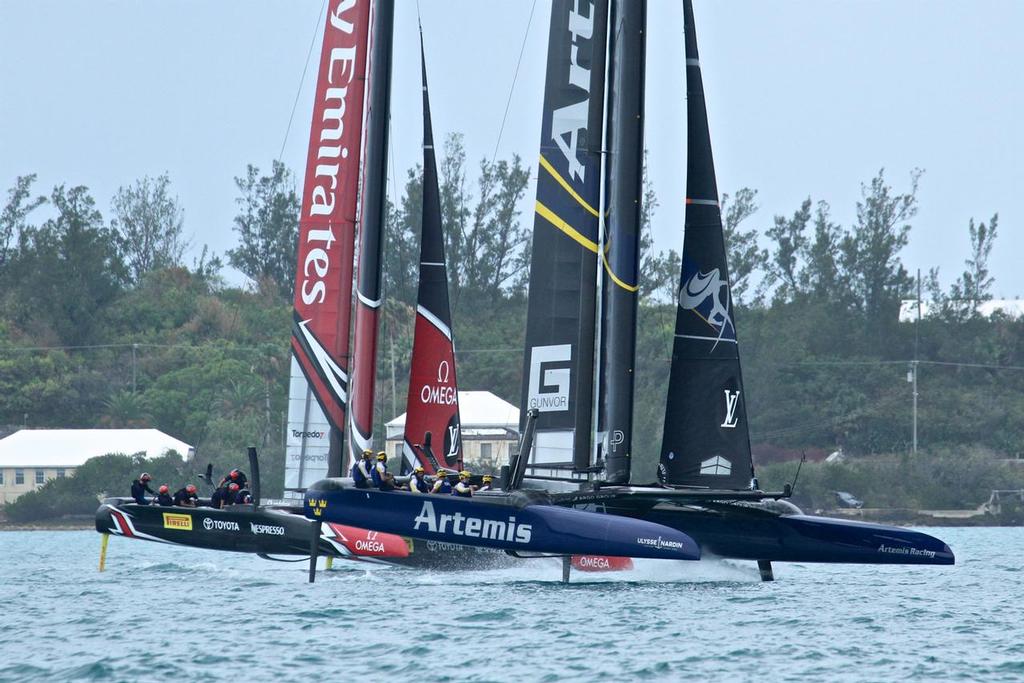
{"x": 164, "y": 613}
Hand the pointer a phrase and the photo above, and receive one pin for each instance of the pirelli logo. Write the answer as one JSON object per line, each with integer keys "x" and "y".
{"x": 179, "y": 522}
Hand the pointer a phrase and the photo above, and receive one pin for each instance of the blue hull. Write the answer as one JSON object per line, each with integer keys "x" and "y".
{"x": 513, "y": 523}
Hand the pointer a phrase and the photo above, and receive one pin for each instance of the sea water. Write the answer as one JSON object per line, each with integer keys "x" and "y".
{"x": 164, "y": 613}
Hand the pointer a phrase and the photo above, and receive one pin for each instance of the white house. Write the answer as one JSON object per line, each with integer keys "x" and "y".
{"x": 490, "y": 429}
{"x": 30, "y": 457}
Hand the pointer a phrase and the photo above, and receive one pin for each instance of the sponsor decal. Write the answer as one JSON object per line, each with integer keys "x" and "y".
{"x": 569, "y": 121}
{"x": 211, "y": 524}
{"x": 299, "y": 434}
{"x": 474, "y": 527}
{"x": 708, "y": 287}
{"x": 266, "y": 529}
{"x": 179, "y": 522}
{"x": 616, "y": 439}
{"x": 592, "y": 562}
{"x": 716, "y": 466}
{"x": 659, "y": 542}
{"x": 732, "y": 399}
{"x": 905, "y": 550}
{"x": 549, "y": 386}
{"x": 370, "y": 543}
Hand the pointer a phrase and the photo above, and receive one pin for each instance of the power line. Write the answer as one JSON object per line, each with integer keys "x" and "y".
{"x": 302, "y": 79}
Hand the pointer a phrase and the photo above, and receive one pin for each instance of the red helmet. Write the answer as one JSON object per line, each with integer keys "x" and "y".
{"x": 144, "y": 476}
{"x": 234, "y": 474}
{"x": 232, "y": 487}
{"x": 191, "y": 488}
{"x": 164, "y": 489}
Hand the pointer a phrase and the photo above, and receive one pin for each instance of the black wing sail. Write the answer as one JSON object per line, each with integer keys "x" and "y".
{"x": 706, "y": 439}
{"x": 558, "y": 366}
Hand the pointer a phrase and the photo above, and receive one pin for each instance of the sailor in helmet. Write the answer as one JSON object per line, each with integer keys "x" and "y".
{"x": 488, "y": 480}
{"x": 441, "y": 483}
{"x": 380, "y": 469}
{"x": 140, "y": 487}
{"x": 229, "y": 497}
{"x": 186, "y": 496}
{"x": 361, "y": 470}
{"x": 462, "y": 488}
{"x": 418, "y": 482}
{"x": 163, "y": 498}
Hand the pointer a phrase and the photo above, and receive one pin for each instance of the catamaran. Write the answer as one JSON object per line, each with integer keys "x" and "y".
{"x": 578, "y": 403}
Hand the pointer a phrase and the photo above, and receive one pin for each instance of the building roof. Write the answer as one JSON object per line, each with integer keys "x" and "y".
{"x": 478, "y": 410}
{"x": 72, "y": 447}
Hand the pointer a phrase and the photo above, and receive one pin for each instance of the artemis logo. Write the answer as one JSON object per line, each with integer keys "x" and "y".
{"x": 905, "y": 550}
{"x": 268, "y": 529}
{"x": 659, "y": 542}
{"x": 299, "y": 434}
{"x": 570, "y": 120}
{"x": 473, "y": 527}
{"x": 549, "y": 386}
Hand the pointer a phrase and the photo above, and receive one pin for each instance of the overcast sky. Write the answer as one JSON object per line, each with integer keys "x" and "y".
{"x": 805, "y": 97}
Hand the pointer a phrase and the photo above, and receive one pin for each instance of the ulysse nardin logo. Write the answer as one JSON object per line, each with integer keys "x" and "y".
{"x": 716, "y": 466}
{"x": 731, "y": 400}
{"x": 268, "y": 529}
{"x": 549, "y": 386}
{"x": 474, "y": 527}
{"x": 659, "y": 542}
{"x": 179, "y": 522}
{"x": 570, "y": 120}
{"x": 220, "y": 525}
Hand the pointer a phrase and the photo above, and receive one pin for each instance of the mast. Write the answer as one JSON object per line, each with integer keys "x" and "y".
{"x": 433, "y": 401}
{"x": 318, "y": 389}
{"x": 373, "y": 218}
{"x": 558, "y": 363}
{"x": 706, "y": 440}
{"x": 621, "y": 246}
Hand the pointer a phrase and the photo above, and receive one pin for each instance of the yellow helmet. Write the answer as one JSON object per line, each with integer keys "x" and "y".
{"x": 488, "y": 478}
{"x": 464, "y": 474}
{"x": 382, "y": 455}
{"x": 367, "y": 452}
{"x": 418, "y": 469}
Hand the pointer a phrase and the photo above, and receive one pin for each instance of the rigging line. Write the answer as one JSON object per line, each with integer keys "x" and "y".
{"x": 302, "y": 79}
{"x": 515, "y": 77}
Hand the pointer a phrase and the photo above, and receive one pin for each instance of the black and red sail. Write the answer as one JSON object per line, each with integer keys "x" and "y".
{"x": 432, "y": 407}
{"x": 318, "y": 391}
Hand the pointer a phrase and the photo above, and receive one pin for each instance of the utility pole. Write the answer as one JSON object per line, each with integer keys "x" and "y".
{"x": 134, "y": 348}
{"x": 914, "y": 364}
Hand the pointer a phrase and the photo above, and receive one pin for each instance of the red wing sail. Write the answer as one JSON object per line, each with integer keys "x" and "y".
{"x": 372, "y": 218}
{"x": 323, "y": 284}
{"x": 433, "y": 403}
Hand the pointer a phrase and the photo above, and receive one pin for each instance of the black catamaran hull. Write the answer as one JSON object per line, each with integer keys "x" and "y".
{"x": 769, "y": 529}
{"x": 282, "y": 532}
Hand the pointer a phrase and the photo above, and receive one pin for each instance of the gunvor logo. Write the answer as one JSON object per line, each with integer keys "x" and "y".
{"x": 179, "y": 522}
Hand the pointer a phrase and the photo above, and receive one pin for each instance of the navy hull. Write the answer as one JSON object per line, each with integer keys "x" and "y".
{"x": 515, "y": 523}
{"x": 770, "y": 529}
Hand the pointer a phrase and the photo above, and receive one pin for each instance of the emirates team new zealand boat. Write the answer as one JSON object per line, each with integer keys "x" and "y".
{"x": 706, "y": 488}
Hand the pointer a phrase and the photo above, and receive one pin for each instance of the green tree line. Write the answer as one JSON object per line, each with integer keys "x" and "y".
{"x": 104, "y": 323}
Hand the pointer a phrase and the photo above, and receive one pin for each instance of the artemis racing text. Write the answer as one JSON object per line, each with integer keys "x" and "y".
{"x": 473, "y": 527}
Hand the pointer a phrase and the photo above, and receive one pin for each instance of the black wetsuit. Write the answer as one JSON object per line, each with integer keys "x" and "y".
{"x": 218, "y": 497}
{"x": 139, "y": 491}
{"x": 243, "y": 497}
{"x": 184, "y": 498}
{"x": 165, "y": 500}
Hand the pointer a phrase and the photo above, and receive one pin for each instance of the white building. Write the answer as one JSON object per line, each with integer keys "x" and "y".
{"x": 31, "y": 457}
{"x": 490, "y": 429}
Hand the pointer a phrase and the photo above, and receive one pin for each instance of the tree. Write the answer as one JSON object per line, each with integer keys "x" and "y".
{"x": 790, "y": 244}
{"x": 149, "y": 221}
{"x": 741, "y": 245}
{"x": 12, "y": 219}
{"x": 820, "y": 275}
{"x": 975, "y": 284}
{"x": 69, "y": 270}
{"x": 268, "y": 228}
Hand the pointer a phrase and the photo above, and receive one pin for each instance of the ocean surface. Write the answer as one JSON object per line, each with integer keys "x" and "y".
{"x": 161, "y": 613}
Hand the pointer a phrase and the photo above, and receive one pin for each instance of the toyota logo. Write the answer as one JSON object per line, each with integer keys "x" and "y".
{"x": 207, "y": 523}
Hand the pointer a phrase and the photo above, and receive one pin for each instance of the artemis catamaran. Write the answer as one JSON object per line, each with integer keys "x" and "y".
{"x": 581, "y": 438}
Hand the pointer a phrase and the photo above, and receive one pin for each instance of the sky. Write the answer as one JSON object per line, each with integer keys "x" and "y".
{"x": 805, "y": 98}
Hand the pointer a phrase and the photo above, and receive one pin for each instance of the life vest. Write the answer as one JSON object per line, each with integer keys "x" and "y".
{"x": 462, "y": 489}
{"x": 418, "y": 484}
{"x": 445, "y": 487}
{"x": 378, "y": 472}
{"x": 360, "y": 476}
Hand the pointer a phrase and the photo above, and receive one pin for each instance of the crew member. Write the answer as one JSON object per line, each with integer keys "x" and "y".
{"x": 164, "y": 497}
{"x": 441, "y": 483}
{"x": 243, "y": 497}
{"x": 361, "y": 470}
{"x": 379, "y": 469}
{"x": 229, "y": 497}
{"x": 417, "y": 482}
{"x": 462, "y": 488}
{"x": 486, "y": 486}
{"x": 235, "y": 476}
{"x": 140, "y": 487}
{"x": 388, "y": 483}
{"x": 218, "y": 497}
{"x": 186, "y": 496}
